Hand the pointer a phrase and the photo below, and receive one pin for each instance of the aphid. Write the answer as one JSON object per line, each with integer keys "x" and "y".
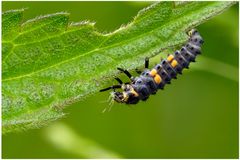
{"x": 149, "y": 81}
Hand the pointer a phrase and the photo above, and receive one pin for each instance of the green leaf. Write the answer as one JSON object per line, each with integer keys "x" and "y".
{"x": 49, "y": 63}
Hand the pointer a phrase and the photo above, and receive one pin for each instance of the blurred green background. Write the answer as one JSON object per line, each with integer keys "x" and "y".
{"x": 194, "y": 117}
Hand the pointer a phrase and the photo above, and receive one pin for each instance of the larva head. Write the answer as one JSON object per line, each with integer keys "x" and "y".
{"x": 117, "y": 96}
{"x": 121, "y": 97}
{"x": 128, "y": 96}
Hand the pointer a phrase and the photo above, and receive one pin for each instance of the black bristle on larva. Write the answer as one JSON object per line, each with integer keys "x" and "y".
{"x": 149, "y": 81}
